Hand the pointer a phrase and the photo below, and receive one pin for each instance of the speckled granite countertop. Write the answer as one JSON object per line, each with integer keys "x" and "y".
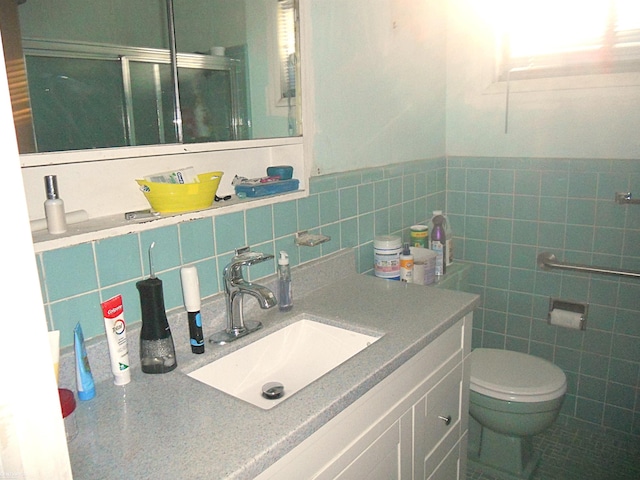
{"x": 171, "y": 426}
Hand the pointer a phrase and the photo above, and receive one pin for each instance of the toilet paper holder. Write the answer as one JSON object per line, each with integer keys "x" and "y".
{"x": 571, "y": 307}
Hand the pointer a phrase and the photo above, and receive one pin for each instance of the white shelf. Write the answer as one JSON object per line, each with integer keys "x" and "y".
{"x": 115, "y": 225}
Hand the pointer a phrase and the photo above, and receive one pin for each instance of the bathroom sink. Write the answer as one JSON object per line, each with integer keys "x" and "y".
{"x": 291, "y": 357}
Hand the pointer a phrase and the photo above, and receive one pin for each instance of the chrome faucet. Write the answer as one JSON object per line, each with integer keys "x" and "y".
{"x": 235, "y": 287}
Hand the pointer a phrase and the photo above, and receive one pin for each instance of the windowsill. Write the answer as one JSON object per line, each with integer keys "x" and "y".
{"x": 574, "y": 82}
{"x": 115, "y": 225}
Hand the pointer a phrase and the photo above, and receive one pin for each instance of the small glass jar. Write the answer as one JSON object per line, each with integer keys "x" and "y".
{"x": 68, "y": 404}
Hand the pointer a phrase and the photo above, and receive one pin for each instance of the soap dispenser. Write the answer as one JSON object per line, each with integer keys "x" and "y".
{"x": 157, "y": 352}
{"x": 285, "y": 296}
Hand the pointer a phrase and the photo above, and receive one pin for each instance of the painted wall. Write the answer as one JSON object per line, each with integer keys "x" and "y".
{"x": 593, "y": 117}
{"x": 379, "y": 74}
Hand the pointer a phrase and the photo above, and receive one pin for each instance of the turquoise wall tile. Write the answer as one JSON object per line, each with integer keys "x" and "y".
{"x": 627, "y": 373}
{"x": 628, "y": 297}
{"x": 592, "y": 388}
{"x": 395, "y": 218}
{"x": 381, "y": 221}
{"x": 349, "y": 233}
{"x": 594, "y": 365}
{"x": 380, "y": 194}
{"x": 526, "y": 182}
{"x": 477, "y": 181}
{"x": 348, "y": 202}
{"x": 500, "y": 230}
{"x": 82, "y": 308}
{"x": 229, "y": 232}
{"x": 554, "y": 184}
{"x": 476, "y": 227}
{"x": 525, "y": 233}
{"x": 196, "y": 240}
{"x": 69, "y": 271}
{"x": 408, "y": 188}
{"x": 477, "y": 204}
{"x": 395, "y": 191}
{"x": 166, "y": 251}
{"x": 526, "y": 207}
{"x": 329, "y": 207}
{"x": 568, "y": 359}
{"x": 365, "y": 228}
{"x": 365, "y": 198}
{"x": 259, "y": 224}
{"x": 308, "y": 212}
{"x": 118, "y": 259}
{"x": 553, "y": 209}
{"x": 325, "y": 183}
{"x": 208, "y": 276}
{"x": 501, "y": 181}
{"x": 581, "y": 212}
{"x": 620, "y": 395}
{"x": 285, "y": 218}
{"x": 579, "y": 237}
{"x": 583, "y": 185}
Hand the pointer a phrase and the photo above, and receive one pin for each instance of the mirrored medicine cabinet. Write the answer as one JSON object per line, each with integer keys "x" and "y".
{"x": 96, "y": 75}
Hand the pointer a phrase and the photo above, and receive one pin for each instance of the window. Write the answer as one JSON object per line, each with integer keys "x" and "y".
{"x": 547, "y": 38}
{"x": 287, "y": 48}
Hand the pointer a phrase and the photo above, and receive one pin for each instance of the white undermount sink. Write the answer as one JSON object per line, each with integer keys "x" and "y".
{"x": 293, "y": 356}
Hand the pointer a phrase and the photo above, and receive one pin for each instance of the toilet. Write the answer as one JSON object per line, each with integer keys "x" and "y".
{"x": 513, "y": 397}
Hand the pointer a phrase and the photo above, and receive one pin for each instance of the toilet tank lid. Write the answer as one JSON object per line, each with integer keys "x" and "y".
{"x": 515, "y": 376}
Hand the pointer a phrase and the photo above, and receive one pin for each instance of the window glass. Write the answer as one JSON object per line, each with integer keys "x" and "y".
{"x": 568, "y": 37}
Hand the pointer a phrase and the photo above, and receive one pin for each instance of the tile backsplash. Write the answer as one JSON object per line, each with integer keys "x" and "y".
{"x": 504, "y": 211}
{"x": 350, "y": 207}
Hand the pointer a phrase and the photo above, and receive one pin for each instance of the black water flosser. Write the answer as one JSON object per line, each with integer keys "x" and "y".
{"x": 157, "y": 352}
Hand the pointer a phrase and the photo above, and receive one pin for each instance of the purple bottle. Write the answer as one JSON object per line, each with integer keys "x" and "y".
{"x": 438, "y": 243}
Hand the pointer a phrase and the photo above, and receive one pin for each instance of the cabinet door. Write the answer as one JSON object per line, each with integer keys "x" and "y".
{"x": 380, "y": 461}
{"x": 437, "y": 423}
{"x": 449, "y": 468}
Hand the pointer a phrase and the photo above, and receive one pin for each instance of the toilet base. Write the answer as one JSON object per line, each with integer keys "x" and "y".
{"x": 505, "y": 456}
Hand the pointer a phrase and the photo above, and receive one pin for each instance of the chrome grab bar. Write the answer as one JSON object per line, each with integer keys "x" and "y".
{"x": 547, "y": 260}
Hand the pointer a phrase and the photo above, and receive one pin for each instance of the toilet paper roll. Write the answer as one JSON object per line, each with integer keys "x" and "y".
{"x": 565, "y": 318}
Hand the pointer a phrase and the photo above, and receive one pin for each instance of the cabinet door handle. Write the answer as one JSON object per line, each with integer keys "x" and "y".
{"x": 446, "y": 420}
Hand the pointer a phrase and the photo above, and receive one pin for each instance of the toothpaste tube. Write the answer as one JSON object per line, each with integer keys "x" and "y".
{"x": 84, "y": 378}
{"x": 116, "y": 330}
{"x": 182, "y": 175}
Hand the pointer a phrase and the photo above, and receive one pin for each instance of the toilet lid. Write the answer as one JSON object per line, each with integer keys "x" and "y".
{"x": 515, "y": 376}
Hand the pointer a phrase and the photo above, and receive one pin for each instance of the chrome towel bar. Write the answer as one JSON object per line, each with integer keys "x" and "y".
{"x": 547, "y": 261}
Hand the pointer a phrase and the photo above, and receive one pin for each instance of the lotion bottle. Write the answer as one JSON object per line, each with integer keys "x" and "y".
{"x": 285, "y": 297}
{"x": 406, "y": 264}
{"x": 54, "y": 207}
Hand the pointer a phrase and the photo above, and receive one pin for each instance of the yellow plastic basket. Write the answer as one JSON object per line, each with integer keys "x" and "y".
{"x": 181, "y": 197}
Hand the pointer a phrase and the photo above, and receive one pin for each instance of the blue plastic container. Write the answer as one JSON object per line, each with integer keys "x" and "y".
{"x": 269, "y": 188}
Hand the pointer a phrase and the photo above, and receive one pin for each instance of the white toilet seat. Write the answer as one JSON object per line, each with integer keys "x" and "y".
{"x": 515, "y": 377}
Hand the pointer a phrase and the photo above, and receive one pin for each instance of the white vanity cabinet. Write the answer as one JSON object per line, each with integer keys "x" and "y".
{"x": 412, "y": 425}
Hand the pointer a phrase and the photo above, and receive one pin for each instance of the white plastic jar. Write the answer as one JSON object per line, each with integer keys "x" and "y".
{"x": 386, "y": 256}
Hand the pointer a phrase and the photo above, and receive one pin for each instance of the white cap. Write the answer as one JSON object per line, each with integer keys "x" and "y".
{"x": 190, "y": 288}
{"x": 284, "y": 258}
{"x": 437, "y": 212}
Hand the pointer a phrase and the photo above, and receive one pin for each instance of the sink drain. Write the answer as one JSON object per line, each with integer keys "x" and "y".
{"x": 272, "y": 390}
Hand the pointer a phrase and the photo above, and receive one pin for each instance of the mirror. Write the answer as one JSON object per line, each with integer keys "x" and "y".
{"x": 103, "y": 74}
